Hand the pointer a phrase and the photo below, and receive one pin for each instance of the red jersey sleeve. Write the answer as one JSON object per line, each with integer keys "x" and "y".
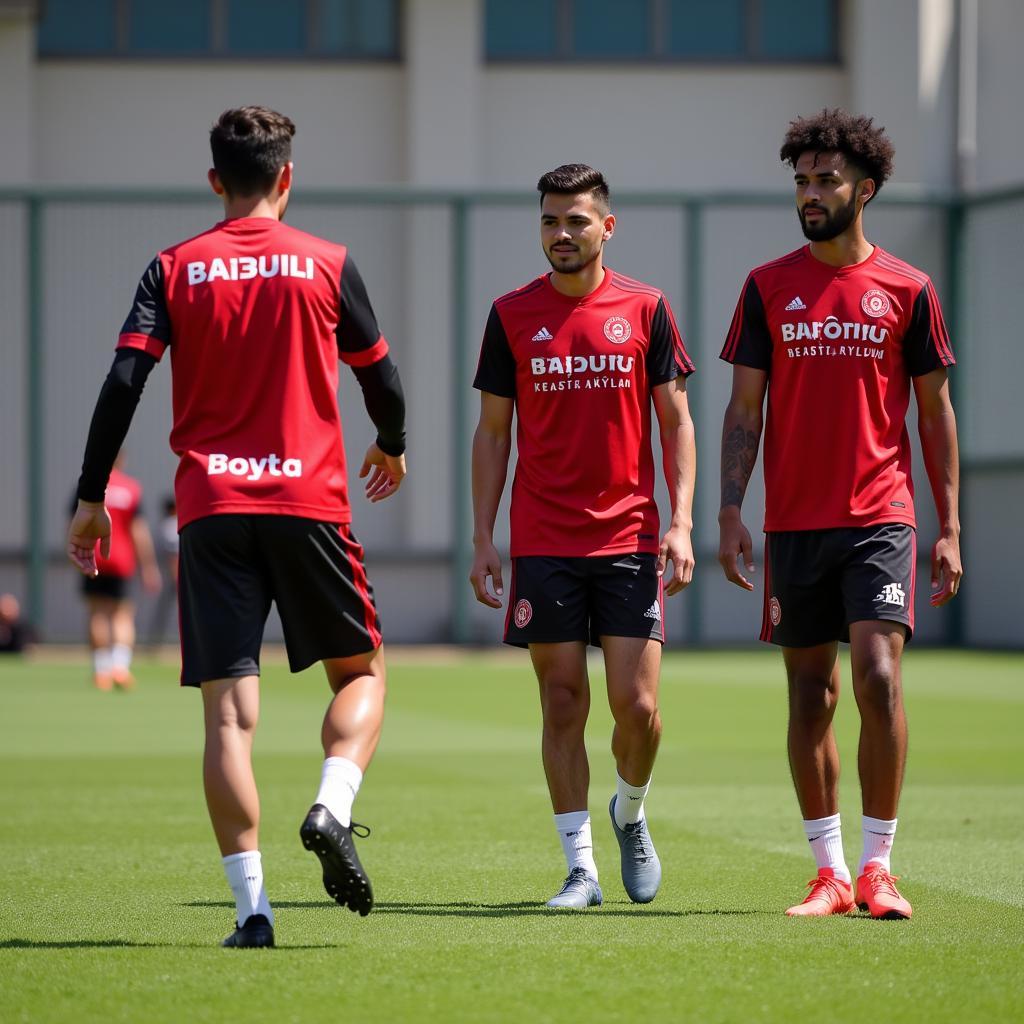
{"x": 148, "y": 325}
{"x": 749, "y": 341}
{"x": 926, "y": 344}
{"x": 666, "y": 354}
{"x": 360, "y": 342}
{"x": 496, "y": 370}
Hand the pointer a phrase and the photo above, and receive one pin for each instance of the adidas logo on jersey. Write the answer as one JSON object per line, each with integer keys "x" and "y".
{"x": 543, "y": 335}
{"x": 797, "y": 303}
{"x": 654, "y": 612}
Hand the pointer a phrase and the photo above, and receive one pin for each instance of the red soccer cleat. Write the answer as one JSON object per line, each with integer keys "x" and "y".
{"x": 102, "y": 681}
{"x": 877, "y": 893}
{"x": 123, "y": 679}
{"x": 828, "y": 895}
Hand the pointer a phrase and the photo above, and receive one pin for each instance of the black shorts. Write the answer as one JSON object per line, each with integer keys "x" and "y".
{"x": 114, "y": 587}
{"x": 555, "y": 600}
{"x": 819, "y": 581}
{"x": 233, "y": 566}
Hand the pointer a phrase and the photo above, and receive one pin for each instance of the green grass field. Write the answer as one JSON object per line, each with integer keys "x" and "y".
{"x": 113, "y": 901}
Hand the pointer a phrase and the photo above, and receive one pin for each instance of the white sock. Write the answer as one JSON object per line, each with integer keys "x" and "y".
{"x": 245, "y": 876}
{"x": 101, "y": 661}
{"x": 573, "y": 829}
{"x": 629, "y": 802}
{"x": 121, "y": 657}
{"x": 878, "y": 838}
{"x": 339, "y": 784}
{"x": 826, "y": 839}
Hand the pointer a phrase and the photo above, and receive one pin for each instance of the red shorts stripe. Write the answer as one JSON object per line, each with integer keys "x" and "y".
{"x": 354, "y": 551}
{"x": 766, "y": 616}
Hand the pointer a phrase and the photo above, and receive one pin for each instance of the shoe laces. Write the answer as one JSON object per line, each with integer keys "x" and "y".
{"x": 822, "y": 884}
{"x": 882, "y": 883}
{"x": 577, "y": 879}
{"x": 638, "y": 841}
{"x": 363, "y": 831}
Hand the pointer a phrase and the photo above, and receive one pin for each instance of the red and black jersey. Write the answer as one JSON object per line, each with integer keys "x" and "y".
{"x": 124, "y": 502}
{"x": 581, "y": 371}
{"x": 256, "y": 315}
{"x": 840, "y": 346}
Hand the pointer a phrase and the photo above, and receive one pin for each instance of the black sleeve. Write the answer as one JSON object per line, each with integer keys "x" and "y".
{"x": 926, "y": 344}
{"x": 749, "y": 342}
{"x": 148, "y": 316}
{"x": 385, "y": 402}
{"x": 359, "y": 338}
{"x": 666, "y": 356}
{"x": 496, "y": 370}
{"x": 115, "y": 407}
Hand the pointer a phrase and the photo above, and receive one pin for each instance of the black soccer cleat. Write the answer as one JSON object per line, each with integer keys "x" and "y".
{"x": 344, "y": 878}
{"x": 256, "y": 933}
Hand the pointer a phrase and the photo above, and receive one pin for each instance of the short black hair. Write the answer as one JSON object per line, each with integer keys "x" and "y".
{"x": 836, "y": 131}
{"x": 250, "y": 145}
{"x": 574, "y": 179}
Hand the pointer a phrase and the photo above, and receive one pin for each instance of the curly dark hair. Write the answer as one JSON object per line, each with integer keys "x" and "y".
{"x": 866, "y": 147}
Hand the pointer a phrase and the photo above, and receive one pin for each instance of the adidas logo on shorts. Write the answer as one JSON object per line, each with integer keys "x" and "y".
{"x": 654, "y": 612}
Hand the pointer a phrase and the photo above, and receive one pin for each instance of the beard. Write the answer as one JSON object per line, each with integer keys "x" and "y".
{"x": 570, "y": 265}
{"x": 831, "y": 225}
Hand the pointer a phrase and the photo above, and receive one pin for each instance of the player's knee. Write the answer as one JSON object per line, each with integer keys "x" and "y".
{"x": 811, "y": 697}
{"x": 638, "y": 716}
{"x": 878, "y": 690}
{"x": 564, "y": 706}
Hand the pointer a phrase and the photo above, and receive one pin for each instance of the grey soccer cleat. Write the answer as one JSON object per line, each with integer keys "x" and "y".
{"x": 641, "y": 869}
{"x": 578, "y": 892}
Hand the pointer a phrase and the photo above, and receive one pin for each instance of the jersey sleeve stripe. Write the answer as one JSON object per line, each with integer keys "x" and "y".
{"x": 144, "y": 342}
{"x": 939, "y": 333}
{"x": 366, "y": 356}
{"x": 732, "y": 339}
{"x": 686, "y": 364}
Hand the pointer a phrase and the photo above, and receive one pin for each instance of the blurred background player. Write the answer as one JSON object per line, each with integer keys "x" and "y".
{"x": 836, "y": 333}
{"x": 578, "y": 355}
{"x": 110, "y": 609}
{"x": 165, "y": 541}
{"x": 15, "y": 633}
{"x": 258, "y": 315}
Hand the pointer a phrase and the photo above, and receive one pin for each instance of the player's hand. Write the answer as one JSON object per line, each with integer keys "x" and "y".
{"x": 89, "y": 524}
{"x": 734, "y": 542}
{"x": 946, "y": 570}
{"x": 676, "y": 547}
{"x": 486, "y": 562}
{"x": 387, "y": 474}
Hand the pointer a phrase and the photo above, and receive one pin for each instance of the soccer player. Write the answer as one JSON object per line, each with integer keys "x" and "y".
{"x": 256, "y": 316}
{"x": 578, "y": 355}
{"x": 837, "y": 333}
{"x": 110, "y": 609}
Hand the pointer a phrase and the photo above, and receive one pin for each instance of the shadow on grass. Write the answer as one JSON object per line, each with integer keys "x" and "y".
{"x": 517, "y": 909}
{"x": 127, "y": 944}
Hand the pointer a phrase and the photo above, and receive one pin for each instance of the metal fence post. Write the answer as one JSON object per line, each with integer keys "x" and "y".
{"x": 694, "y": 327}
{"x": 461, "y": 521}
{"x": 34, "y": 364}
{"x": 956, "y": 267}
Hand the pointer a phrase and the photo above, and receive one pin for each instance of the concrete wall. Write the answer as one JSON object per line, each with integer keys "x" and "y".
{"x": 443, "y": 117}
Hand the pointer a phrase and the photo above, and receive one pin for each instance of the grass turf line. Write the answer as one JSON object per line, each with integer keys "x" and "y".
{"x": 112, "y": 899}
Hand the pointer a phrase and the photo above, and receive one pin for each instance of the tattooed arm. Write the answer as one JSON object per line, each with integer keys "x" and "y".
{"x": 741, "y": 435}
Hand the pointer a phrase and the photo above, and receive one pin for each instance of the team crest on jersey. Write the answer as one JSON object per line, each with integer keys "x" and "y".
{"x": 875, "y": 302}
{"x": 617, "y": 329}
{"x": 522, "y": 614}
{"x": 775, "y": 611}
